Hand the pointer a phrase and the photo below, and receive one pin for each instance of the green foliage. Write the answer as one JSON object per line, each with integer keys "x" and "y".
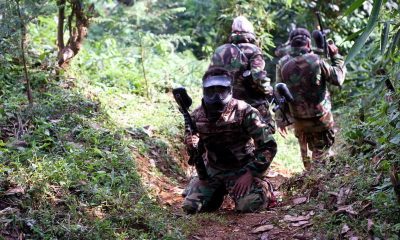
{"x": 288, "y": 159}
{"x": 369, "y": 121}
{"x": 354, "y": 6}
{"x": 76, "y": 152}
{"x": 79, "y": 175}
{"x": 10, "y": 24}
{"x": 141, "y": 59}
{"x": 372, "y": 22}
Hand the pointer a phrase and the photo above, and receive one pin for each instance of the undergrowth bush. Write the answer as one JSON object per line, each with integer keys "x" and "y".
{"x": 78, "y": 176}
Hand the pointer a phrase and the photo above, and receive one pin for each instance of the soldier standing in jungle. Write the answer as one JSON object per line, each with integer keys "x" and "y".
{"x": 306, "y": 75}
{"x": 238, "y": 150}
{"x": 244, "y": 59}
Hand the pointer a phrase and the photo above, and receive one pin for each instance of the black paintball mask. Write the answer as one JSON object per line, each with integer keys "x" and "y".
{"x": 217, "y": 92}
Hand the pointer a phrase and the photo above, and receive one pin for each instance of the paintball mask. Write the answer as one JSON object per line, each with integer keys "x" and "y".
{"x": 217, "y": 92}
{"x": 217, "y": 95}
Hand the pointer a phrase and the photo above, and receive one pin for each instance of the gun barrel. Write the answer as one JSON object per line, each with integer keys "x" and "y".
{"x": 319, "y": 21}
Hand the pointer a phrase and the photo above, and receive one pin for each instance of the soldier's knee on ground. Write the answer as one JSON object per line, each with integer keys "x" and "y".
{"x": 260, "y": 197}
{"x": 196, "y": 203}
{"x": 203, "y": 197}
{"x": 250, "y": 203}
{"x": 192, "y": 183}
{"x": 191, "y": 207}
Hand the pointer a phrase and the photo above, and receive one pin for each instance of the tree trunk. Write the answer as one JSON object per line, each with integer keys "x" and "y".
{"x": 142, "y": 58}
{"x": 23, "y": 42}
{"x": 77, "y": 33}
{"x": 60, "y": 27}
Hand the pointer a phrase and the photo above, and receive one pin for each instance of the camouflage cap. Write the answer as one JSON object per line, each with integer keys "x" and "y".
{"x": 299, "y": 33}
{"x": 241, "y": 24}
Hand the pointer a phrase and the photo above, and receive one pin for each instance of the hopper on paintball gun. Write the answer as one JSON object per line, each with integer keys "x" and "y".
{"x": 282, "y": 96}
{"x": 184, "y": 102}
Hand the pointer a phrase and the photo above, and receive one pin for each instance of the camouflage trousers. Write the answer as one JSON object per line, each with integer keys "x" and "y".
{"x": 314, "y": 137}
{"x": 207, "y": 196}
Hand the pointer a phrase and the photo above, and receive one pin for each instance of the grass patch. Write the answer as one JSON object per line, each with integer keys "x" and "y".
{"x": 288, "y": 157}
{"x": 70, "y": 173}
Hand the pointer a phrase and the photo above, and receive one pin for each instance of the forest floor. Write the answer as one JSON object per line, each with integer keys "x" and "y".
{"x": 278, "y": 222}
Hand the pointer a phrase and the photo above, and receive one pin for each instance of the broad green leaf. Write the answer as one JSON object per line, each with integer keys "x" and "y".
{"x": 289, "y": 3}
{"x": 396, "y": 139}
{"x": 394, "y": 116}
{"x": 353, "y": 7}
{"x": 372, "y": 22}
{"x": 394, "y": 43}
{"x": 384, "y": 36}
{"x": 353, "y": 35}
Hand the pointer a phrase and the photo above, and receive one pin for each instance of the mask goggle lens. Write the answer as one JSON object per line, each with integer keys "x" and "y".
{"x": 216, "y": 91}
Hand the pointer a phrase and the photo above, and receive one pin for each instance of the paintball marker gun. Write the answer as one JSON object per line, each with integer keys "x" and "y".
{"x": 282, "y": 96}
{"x": 184, "y": 102}
{"x": 320, "y": 36}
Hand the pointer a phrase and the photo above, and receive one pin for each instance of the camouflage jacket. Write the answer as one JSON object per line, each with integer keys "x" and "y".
{"x": 241, "y": 56}
{"x": 306, "y": 75}
{"x": 237, "y": 140}
{"x": 282, "y": 50}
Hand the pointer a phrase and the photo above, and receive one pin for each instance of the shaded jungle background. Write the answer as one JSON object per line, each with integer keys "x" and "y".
{"x": 89, "y": 129}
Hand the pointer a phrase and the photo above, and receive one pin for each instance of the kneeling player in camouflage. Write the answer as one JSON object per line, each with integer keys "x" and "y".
{"x": 238, "y": 150}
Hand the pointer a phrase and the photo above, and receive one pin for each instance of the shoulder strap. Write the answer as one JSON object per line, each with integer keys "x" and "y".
{"x": 242, "y": 56}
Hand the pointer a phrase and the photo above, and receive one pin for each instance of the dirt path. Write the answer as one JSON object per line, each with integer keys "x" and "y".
{"x": 280, "y": 222}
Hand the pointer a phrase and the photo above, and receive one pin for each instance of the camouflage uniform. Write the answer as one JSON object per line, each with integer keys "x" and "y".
{"x": 237, "y": 142}
{"x": 282, "y": 50}
{"x": 241, "y": 56}
{"x": 306, "y": 75}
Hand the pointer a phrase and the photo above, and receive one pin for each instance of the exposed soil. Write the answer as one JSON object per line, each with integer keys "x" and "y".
{"x": 275, "y": 223}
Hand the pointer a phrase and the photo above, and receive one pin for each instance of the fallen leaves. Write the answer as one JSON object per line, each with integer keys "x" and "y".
{"x": 342, "y": 195}
{"x": 346, "y": 209}
{"x": 299, "y": 221}
{"x": 15, "y": 191}
{"x": 345, "y": 229}
{"x": 299, "y": 200}
{"x": 289, "y": 218}
{"x": 262, "y": 228}
{"x": 8, "y": 211}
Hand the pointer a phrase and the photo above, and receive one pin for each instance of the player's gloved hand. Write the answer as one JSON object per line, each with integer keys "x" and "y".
{"x": 192, "y": 141}
{"x": 332, "y": 49}
{"x": 282, "y": 131}
{"x": 242, "y": 185}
